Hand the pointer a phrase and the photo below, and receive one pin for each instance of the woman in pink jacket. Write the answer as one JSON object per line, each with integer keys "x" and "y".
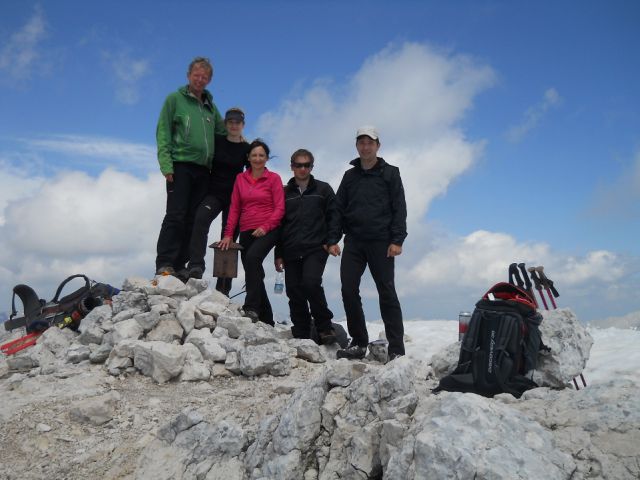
{"x": 257, "y": 204}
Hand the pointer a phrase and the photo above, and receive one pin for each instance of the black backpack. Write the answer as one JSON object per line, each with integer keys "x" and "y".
{"x": 67, "y": 311}
{"x": 501, "y": 345}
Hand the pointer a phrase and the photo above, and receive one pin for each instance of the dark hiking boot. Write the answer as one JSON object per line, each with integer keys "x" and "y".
{"x": 182, "y": 275}
{"x": 393, "y": 356}
{"x": 251, "y": 314}
{"x": 166, "y": 270}
{"x": 327, "y": 337}
{"x": 352, "y": 352}
{"x": 196, "y": 272}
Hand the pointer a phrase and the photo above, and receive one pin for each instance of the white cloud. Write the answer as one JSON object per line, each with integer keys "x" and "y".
{"x": 15, "y": 184}
{"x": 415, "y": 95}
{"x": 20, "y": 55}
{"x": 126, "y": 156}
{"x": 105, "y": 227}
{"x": 534, "y": 115}
{"x": 127, "y": 73}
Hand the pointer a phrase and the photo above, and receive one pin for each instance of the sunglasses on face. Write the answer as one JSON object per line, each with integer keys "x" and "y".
{"x": 301, "y": 165}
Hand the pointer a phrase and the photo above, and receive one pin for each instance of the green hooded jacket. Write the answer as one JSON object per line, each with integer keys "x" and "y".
{"x": 186, "y": 130}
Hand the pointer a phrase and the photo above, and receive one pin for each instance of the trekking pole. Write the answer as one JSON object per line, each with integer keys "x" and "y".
{"x": 548, "y": 285}
{"x": 514, "y": 276}
{"x": 244, "y": 289}
{"x": 538, "y": 285}
{"x": 527, "y": 283}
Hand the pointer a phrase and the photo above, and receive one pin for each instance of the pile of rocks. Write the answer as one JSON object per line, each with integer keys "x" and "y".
{"x": 166, "y": 330}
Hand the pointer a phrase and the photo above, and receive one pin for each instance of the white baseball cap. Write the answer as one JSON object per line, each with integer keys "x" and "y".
{"x": 369, "y": 131}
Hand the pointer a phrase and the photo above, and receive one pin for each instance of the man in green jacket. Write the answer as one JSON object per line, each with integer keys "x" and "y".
{"x": 185, "y": 135}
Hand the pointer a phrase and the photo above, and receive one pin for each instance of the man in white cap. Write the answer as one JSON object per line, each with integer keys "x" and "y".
{"x": 373, "y": 217}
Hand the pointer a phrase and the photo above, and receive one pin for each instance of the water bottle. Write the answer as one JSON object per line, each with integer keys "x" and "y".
{"x": 278, "y": 287}
{"x": 463, "y": 324}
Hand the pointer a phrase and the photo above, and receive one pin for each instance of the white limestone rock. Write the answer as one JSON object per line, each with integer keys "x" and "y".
{"x": 135, "y": 284}
{"x": 307, "y": 349}
{"x": 78, "y": 353}
{"x": 190, "y": 448}
{"x": 235, "y": 326}
{"x": 95, "y": 411}
{"x": 203, "y": 320}
{"x": 92, "y": 334}
{"x": 167, "y": 285}
{"x": 148, "y": 320}
{"x": 123, "y": 315}
{"x": 158, "y": 360}
{"x": 258, "y": 334}
{"x": 232, "y": 363}
{"x": 155, "y": 300}
{"x": 272, "y": 359}
{"x": 57, "y": 340}
{"x": 99, "y": 353}
{"x": 186, "y": 316}
{"x": 343, "y": 372}
{"x": 128, "y": 329}
{"x": 445, "y": 361}
{"x": 469, "y": 436}
{"x": 195, "y": 369}
{"x": 168, "y": 330}
{"x": 570, "y": 344}
{"x": 129, "y": 301}
{"x": 96, "y": 317}
{"x": 207, "y": 345}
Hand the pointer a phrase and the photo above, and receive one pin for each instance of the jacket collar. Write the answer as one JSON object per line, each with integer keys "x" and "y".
{"x": 291, "y": 184}
{"x": 378, "y": 166}
{"x": 208, "y": 98}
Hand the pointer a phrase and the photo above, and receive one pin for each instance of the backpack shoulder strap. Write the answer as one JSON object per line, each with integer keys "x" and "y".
{"x": 87, "y": 285}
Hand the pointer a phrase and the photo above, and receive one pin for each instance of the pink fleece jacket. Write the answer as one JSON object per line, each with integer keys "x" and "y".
{"x": 254, "y": 204}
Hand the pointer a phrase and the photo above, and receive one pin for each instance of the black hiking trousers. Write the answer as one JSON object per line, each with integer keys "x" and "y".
{"x": 254, "y": 251}
{"x": 303, "y": 279}
{"x": 184, "y": 194}
{"x": 355, "y": 258}
{"x": 206, "y": 213}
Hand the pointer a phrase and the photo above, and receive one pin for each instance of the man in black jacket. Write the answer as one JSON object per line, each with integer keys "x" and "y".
{"x": 372, "y": 213}
{"x": 302, "y": 249}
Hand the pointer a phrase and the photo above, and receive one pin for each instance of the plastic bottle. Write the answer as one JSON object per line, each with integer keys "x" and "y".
{"x": 278, "y": 287}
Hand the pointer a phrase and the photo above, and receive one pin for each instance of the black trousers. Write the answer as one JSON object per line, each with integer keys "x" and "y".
{"x": 206, "y": 213}
{"x": 254, "y": 251}
{"x": 303, "y": 279}
{"x": 184, "y": 194}
{"x": 355, "y": 258}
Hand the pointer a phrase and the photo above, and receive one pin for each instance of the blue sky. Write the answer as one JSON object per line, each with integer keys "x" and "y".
{"x": 515, "y": 124}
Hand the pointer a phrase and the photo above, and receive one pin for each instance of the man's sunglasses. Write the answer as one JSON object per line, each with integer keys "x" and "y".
{"x": 301, "y": 165}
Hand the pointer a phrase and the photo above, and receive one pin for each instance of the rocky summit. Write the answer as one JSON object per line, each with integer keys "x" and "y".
{"x": 170, "y": 381}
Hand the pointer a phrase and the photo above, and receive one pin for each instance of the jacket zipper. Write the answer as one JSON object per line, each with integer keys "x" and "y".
{"x": 204, "y": 131}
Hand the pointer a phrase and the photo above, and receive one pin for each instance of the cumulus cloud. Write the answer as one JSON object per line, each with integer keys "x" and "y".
{"x": 534, "y": 115}
{"x": 15, "y": 184}
{"x": 127, "y": 73}
{"x": 74, "y": 223}
{"x": 414, "y": 94}
{"x": 126, "y": 156}
{"x": 21, "y": 53}
{"x": 418, "y": 96}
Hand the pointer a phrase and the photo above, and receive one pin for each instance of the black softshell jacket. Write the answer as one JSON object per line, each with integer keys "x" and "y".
{"x": 306, "y": 218}
{"x": 371, "y": 205}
